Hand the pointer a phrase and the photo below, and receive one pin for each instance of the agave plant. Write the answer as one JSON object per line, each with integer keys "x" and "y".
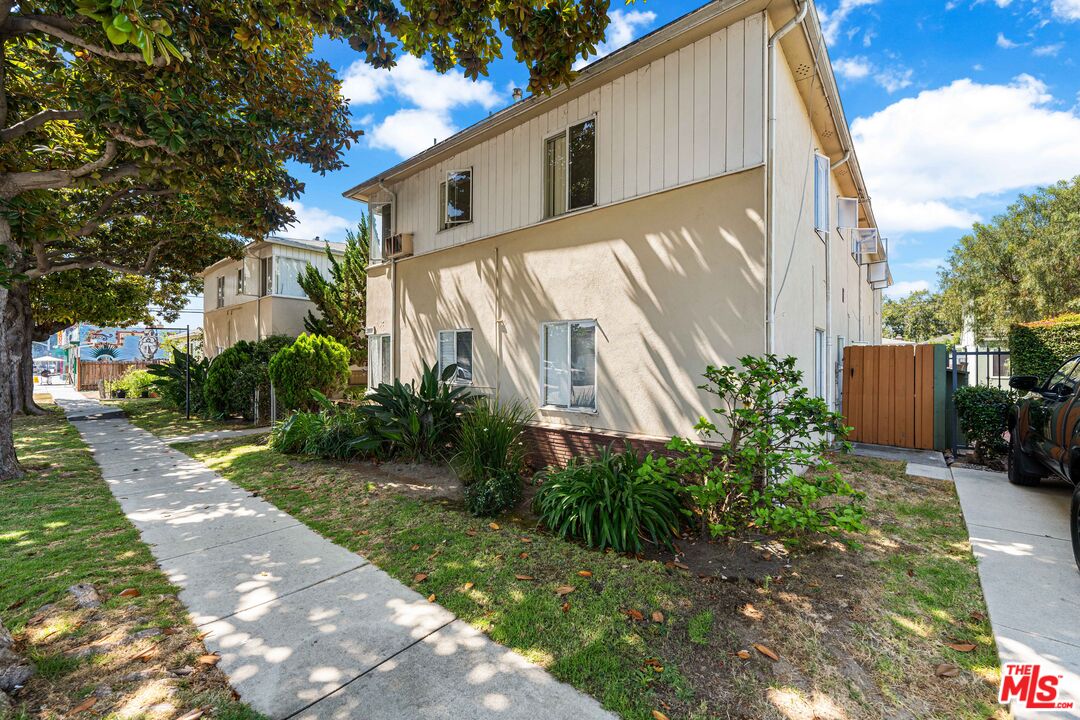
{"x": 419, "y": 421}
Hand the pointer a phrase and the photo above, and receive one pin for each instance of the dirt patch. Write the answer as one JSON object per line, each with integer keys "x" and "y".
{"x": 746, "y": 558}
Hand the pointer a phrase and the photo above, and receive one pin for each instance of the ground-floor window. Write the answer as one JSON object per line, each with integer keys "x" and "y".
{"x": 568, "y": 365}
{"x": 819, "y": 363}
{"x": 455, "y": 348}
{"x": 379, "y": 364}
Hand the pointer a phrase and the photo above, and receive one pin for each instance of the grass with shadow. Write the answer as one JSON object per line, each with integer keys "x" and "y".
{"x": 60, "y": 526}
{"x": 153, "y": 415}
{"x": 643, "y": 637}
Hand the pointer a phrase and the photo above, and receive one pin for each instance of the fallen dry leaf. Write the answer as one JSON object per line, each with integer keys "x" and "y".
{"x": 655, "y": 665}
{"x": 946, "y": 670}
{"x": 681, "y": 566}
{"x": 657, "y": 715}
{"x": 743, "y": 654}
{"x": 564, "y": 590}
{"x": 526, "y": 540}
{"x": 657, "y": 616}
{"x": 493, "y": 526}
{"x": 767, "y": 652}
{"x": 170, "y": 631}
{"x": 431, "y": 597}
{"x": 468, "y": 586}
{"x": 470, "y": 533}
{"x": 565, "y": 606}
{"x": 83, "y": 706}
{"x": 524, "y": 577}
{"x": 144, "y": 656}
{"x": 192, "y": 714}
{"x": 977, "y": 616}
{"x": 130, "y": 592}
{"x": 209, "y": 660}
{"x": 634, "y": 614}
{"x": 964, "y": 647}
{"x": 523, "y": 555}
{"x": 584, "y": 573}
{"x": 203, "y": 635}
{"x": 419, "y": 577}
{"x": 414, "y": 548}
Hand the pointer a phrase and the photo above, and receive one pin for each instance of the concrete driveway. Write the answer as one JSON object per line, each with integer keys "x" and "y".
{"x": 1020, "y": 537}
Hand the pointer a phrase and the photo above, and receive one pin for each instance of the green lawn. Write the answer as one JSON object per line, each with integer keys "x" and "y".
{"x": 152, "y": 415}
{"x": 848, "y": 622}
{"x": 59, "y": 526}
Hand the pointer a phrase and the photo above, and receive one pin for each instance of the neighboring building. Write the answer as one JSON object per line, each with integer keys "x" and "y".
{"x": 591, "y": 251}
{"x": 93, "y": 353}
{"x": 259, "y": 296}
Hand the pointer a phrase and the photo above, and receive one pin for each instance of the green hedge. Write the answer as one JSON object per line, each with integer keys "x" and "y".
{"x": 313, "y": 362}
{"x": 1039, "y": 348}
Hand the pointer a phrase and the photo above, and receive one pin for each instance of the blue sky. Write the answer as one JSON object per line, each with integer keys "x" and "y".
{"x": 956, "y": 107}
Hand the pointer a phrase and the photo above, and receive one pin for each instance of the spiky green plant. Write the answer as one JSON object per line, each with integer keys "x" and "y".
{"x": 490, "y": 457}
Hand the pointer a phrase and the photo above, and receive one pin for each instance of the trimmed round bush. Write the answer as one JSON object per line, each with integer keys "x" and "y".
{"x": 234, "y": 375}
{"x": 313, "y": 362}
{"x": 982, "y": 413}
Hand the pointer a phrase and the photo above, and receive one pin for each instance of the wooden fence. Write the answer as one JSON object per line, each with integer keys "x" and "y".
{"x": 889, "y": 394}
{"x": 87, "y": 374}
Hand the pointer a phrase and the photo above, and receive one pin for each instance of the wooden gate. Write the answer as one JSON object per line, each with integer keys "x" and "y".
{"x": 889, "y": 394}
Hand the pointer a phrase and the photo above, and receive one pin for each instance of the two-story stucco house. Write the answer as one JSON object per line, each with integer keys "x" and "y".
{"x": 258, "y": 295}
{"x": 690, "y": 199}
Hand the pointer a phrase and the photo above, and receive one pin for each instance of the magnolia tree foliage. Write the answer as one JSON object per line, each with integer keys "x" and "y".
{"x": 150, "y": 137}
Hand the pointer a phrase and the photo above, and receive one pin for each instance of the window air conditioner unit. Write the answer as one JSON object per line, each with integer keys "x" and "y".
{"x": 398, "y": 246}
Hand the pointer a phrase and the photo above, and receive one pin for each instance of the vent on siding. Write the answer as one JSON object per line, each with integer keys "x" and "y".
{"x": 827, "y": 134}
{"x": 803, "y": 71}
{"x": 842, "y": 172}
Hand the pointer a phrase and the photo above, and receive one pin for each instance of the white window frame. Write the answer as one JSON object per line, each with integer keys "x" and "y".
{"x": 220, "y": 291}
{"x": 376, "y": 248}
{"x": 565, "y": 133}
{"x": 822, "y": 193}
{"x": 240, "y": 280}
{"x": 445, "y": 223}
{"x": 820, "y": 363}
{"x": 374, "y": 361}
{"x": 457, "y": 380}
{"x": 590, "y": 322}
{"x": 266, "y": 276}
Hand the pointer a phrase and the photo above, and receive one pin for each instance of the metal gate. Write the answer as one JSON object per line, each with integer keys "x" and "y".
{"x": 889, "y": 394}
{"x": 981, "y": 366}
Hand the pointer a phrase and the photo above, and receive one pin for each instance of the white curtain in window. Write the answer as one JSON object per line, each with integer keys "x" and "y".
{"x": 286, "y": 271}
{"x": 556, "y": 367}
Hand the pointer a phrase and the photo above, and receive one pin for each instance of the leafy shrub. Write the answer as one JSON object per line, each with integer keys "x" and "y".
{"x": 313, "y": 362}
{"x": 293, "y": 434}
{"x": 982, "y": 413}
{"x": 770, "y": 428}
{"x": 134, "y": 383}
{"x": 419, "y": 422}
{"x": 1040, "y": 348}
{"x": 338, "y": 433}
{"x": 235, "y": 374}
{"x": 490, "y": 456}
{"x": 170, "y": 381}
{"x": 613, "y": 500}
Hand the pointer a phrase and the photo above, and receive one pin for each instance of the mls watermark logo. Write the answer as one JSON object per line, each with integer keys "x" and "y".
{"x": 1031, "y": 689}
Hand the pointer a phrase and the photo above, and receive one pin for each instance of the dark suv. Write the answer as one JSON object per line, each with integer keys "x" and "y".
{"x": 1045, "y": 434}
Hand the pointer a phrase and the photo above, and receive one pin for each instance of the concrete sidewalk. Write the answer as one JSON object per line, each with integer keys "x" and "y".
{"x": 305, "y": 628}
{"x": 1020, "y": 537}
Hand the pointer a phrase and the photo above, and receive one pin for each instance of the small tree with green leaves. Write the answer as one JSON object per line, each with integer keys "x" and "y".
{"x": 341, "y": 300}
{"x": 767, "y": 462}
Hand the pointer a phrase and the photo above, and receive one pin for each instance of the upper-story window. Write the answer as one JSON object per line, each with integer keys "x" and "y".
{"x": 221, "y": 291}
{"x": 821, "y": 193}
{"x": 287, "y": 272}
{"x": 570, "y": 169}
{"x": 266, "y": 276}
{"x": 240, "y": 281}
{"x": 381, "y": 228}
{"x": 455, "y": 199}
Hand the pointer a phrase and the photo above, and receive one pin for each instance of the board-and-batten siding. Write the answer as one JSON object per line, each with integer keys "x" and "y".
{"x": 695, "y": 113}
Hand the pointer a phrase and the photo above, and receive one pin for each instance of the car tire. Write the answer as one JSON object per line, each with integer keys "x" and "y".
{"x": 1074, "y": 525}
{"x": 1020, "y": 463}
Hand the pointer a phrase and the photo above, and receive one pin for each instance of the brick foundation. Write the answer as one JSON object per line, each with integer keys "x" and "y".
{"x": 555, "y": 446}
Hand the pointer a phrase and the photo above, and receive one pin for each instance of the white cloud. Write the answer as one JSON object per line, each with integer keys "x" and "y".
{"x": 903, "y": 289}
{"x": 625, "y": 25}
{"x": 1005, "y": 43}
{"x": 854, "y": 68}
{"x": 314, "y": 222}
{"x": 1048, "y": 50}
{"x": 363, "y": 84}
{"x": 1067, "y": 10}
{"x": 411, "y": 130}
{"x": 922, "y": 155}
{"x": 832, "y": 21}
{"x": 893, "y": 79}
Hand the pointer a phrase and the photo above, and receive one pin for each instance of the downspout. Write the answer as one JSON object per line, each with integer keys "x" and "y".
{"x": 770, "y": 179}
{"x": 393, "y": 284}
{"x": 831, "y": 360}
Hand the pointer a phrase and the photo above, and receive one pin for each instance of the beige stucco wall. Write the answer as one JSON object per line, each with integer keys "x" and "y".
{"x": 674, "y": 280}
{"x": 253, "y": 320}
{"x": 800, "y": 251}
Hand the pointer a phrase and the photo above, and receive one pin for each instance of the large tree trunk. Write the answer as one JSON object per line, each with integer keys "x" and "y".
{"x": 20, "y": 325}
{"x": 9, "y": 463}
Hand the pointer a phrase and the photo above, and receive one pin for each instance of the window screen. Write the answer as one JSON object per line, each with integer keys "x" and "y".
{"x": 821, "y": 193}
{"x": 570, "y": 169}
{"x": 568, "y": 365}
{"x": 456, "y": 199}
{"x": 455, "y": 348}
